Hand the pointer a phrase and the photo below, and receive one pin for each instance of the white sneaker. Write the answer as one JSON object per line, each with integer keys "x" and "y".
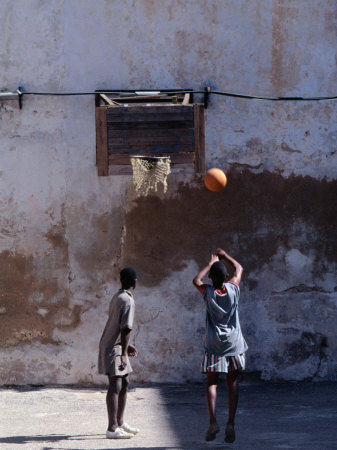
{"x": 129, "y": 429}
{"x": 119, "y": 433}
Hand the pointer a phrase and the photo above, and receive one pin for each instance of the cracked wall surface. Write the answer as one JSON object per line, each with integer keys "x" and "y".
{"x": 65, "y": 232}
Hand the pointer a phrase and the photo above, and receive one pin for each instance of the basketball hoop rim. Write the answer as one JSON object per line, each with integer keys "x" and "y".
{"x": 149, "y": 158}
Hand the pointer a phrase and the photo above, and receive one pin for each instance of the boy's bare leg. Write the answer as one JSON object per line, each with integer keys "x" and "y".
{"x": 122, "y": 400}
{"x": 115, "y": 386}
{"x": 233, "y": 397}
{"x": 211, "y": 394}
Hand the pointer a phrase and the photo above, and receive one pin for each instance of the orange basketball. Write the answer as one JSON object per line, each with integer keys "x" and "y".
{"x": 215, "y": 179}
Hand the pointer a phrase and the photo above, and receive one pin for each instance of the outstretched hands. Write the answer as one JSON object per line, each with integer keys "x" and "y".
{"x": 214, "y": 258}
{"x": 197, "y": 280}
{"x": 237, "y": 267}
{"x": 221, "y": 254}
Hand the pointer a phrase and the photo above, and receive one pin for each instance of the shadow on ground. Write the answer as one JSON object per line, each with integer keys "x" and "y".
{"x": 286, "y": 415}
{"x": 172, "y": 417}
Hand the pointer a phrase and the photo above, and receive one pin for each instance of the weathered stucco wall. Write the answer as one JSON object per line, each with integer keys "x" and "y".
{"x": 65, "y": 232}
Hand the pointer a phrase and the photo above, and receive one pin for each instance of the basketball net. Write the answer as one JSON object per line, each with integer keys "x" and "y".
{"x": 148, "y": 172}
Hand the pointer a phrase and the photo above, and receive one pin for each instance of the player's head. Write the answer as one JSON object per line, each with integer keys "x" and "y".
{"x": 218, "y": 274}
{"x": 128, "y": 277}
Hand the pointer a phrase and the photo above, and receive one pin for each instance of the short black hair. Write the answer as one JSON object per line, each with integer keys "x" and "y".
{"x": 128, "y": 277}
{"x": 218, "y": 274}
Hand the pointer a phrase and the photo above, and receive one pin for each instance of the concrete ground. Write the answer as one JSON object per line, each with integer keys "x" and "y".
{"x": 270, "y": 416}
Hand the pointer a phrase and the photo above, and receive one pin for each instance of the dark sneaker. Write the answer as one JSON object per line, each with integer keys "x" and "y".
{"x": 229, "y": 434}
{"x": 212, "y": 432}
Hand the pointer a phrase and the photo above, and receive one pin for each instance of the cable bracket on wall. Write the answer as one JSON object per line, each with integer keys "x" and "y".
{"x": 20, "y": 96}
{"x": 17, "y": 95}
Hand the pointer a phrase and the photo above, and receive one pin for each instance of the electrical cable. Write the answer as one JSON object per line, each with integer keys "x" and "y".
{"x": 306, "y": 99}
{"x": 207, "y": 91}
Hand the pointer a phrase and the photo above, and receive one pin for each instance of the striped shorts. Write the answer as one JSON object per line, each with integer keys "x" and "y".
{"x": 222, "y": 364}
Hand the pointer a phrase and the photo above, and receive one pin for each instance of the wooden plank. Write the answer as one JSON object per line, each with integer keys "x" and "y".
{"x": 149, "y": 114}
{"x": 199, "y": 135}
{"x": 177, "y": 158}
{"x": 186, "y": 100}
{"x": 144, "y": 125}
{"x": 149, "y": 117}
{"x": 140, "y": 98}
{"x": 176, "y": 133}
{"x": 150, "y": 148}
{"x": 102, "y": 160}
{"x": 120, "y": 170}
{"x": 97, "y": 100}
{"x": 140, "y": 110}
{"x": 150, "y": 140}
{"x": 184, "y": 169}
{"x": 108, "y": 100}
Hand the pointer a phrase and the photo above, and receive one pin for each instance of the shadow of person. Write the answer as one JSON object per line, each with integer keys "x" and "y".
{"x": 47, "y": 438}
{"x": 64, "y": 437}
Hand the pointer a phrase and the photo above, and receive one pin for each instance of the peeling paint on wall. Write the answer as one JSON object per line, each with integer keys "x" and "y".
{"x": 33, "y": 298}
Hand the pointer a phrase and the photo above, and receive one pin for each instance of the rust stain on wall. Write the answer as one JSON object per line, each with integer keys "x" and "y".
{"x": 284, "y": 68}
{"x": 20, "y": 321}
{"x": 33, "y": 300}
{"x": 56, "y": 236}
{"x": 255, "y": 214}
{"x": 331, "y": 22}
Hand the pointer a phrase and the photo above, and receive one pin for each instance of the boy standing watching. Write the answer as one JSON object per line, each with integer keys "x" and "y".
{"x": 114, "y": 352}
{"x": 224, "y": 343}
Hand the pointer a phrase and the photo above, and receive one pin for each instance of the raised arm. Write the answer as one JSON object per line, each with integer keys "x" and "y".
{"x": 197, "y": 280}
{"x": 238, "y": 269}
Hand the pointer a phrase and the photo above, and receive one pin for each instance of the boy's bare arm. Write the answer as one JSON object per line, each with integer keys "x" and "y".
{"x": 197, "y": 280}
{"x": 125, "y": 338}
{"x": 238, "y": 269}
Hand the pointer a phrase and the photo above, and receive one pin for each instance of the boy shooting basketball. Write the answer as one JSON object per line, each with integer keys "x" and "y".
{"x": 224, "y": 343}
{"x": 114, "y": 350}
